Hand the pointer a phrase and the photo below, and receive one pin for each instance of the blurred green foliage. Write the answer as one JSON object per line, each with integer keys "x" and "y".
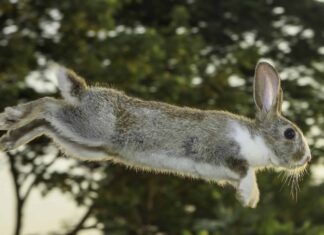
{"x": 198, "y": 53}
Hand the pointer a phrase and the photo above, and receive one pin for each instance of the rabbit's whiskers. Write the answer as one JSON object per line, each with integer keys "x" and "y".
{"x": 292, "y": 178}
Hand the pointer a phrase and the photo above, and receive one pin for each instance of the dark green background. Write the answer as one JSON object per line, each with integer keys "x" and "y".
{"x": 104, "y": 41}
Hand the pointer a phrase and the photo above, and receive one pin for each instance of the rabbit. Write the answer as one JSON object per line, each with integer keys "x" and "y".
{"x": 97, "y": 123}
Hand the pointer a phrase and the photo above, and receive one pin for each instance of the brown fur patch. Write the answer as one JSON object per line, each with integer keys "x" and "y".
{"x": 189, "y": 145}
{"x": 240, "y": 166}
{"x": 298, "y": 155}
{"x": 78, "y": 83}
{"x": 124, "y": 119}
{"x": 185, "y": 113}
{"x": 170, "y": 110}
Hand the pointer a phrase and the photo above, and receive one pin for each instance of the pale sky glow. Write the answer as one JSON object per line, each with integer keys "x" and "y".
{"x": 236, "y": 81}
{"x": 45, "y": 82}
{"x": 317, "y": 174}
{"x": 42, "y": 215}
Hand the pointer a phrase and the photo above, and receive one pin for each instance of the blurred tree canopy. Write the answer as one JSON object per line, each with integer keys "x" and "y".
{"x": 194, "y": 53}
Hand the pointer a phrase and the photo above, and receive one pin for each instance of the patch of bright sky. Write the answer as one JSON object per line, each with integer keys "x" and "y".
{"x": 43, "y": 82}
{"x": 319, "y": 143}
{"x": 283, "y": 46}
{"x": 196, "y": 81}
{"x": 235, "y": 81}
{"x": 49, "y": 28}
{"x": 308, "y": 33}
{"x": 55, "y": 14}
{"x": 103, "y": 34}
{"x": 139, "y": 29}
{"x": 295, "y": 72}
{"x": 194, "y": 30}
{"x": 321, "y": 50}
{"x": 302, "y": 75}
{"x": 310, "y": 121}
{"x": 249, "y": 40}
{"x": 10, "y": 29}
{"x": 291, "y": 30}
{"x": 210, "y": 69}
{"x": 315, "y": 131}
{"x": 285, "y": 106}
{"x": 106, "y": 62}
{"x": 42, "y": 215}
{"x": 317, "y": 175}
{"x": 319, "y": 65}
{"x": 181, "y": 30}
{"x": 306, "y": 80}
{"x": 206, "y": 50}
{"x": 278, "y": 10}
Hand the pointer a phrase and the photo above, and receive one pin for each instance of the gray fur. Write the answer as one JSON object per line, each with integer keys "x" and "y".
{"x": 288, "y": 151}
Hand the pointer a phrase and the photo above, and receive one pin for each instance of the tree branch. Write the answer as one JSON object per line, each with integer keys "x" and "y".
{"x": 79, "y": 226}
{"x": 32, "y": 184}
{"x": 90, "y": 227}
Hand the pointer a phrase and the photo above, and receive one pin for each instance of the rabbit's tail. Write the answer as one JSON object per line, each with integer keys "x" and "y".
{"x": 70, "y": 84}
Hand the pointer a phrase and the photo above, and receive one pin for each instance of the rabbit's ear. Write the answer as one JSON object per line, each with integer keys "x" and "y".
{"x": 279, "y": 100}
{"x": 267, "y": 89}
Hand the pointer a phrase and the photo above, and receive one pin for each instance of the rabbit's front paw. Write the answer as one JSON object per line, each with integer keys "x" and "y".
{"x": 248, "y": 191}
{"x": 254, "y": 198}
{"x": 248, "y": 199}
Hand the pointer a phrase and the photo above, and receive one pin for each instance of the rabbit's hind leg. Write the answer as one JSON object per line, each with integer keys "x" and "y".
{"x": 69, "y": 120}
{"x": 17, "y": 137}
{"x": 20, "y": 115}
{"x": 22, "y": 135}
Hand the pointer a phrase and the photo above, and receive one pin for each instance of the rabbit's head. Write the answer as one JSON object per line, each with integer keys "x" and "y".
{"x": 284, "y": 137}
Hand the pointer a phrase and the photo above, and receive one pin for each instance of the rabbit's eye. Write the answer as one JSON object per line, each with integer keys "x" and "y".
{"x": 290, "y": 133}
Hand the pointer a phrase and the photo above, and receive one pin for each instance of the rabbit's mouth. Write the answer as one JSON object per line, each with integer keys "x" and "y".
{"x": 292, "y": 165}
{"x": 306, "y": 158}
{"x": 300, "y": 165}
{"x": 304, "y": 161}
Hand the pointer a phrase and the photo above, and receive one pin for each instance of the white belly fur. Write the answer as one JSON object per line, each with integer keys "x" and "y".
{"x": 163, "y": 162}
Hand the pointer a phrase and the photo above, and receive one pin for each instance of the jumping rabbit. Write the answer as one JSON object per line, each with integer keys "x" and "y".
{"x": 96, "y": 123}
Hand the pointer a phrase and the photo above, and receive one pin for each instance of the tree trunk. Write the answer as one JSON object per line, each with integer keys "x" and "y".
{"x": 19, "y": 199}
{"x": 80, "y": 225}
{"x": 19, "y": 217}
